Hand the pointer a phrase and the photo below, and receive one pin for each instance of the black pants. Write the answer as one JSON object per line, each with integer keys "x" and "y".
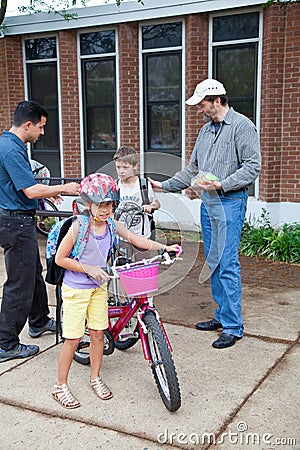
{"x": 24, "y": 292}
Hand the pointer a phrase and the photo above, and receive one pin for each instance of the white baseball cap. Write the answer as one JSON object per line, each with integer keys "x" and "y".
{"x": 206, "y": 87}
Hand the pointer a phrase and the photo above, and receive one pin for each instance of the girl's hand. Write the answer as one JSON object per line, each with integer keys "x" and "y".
{"x": 174, "y": 248}
{"x": 96, "y": 272}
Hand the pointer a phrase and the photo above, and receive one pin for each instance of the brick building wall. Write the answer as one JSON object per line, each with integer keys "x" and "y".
{"x": 129, "y": 85}
{"x": 290, "y": 161}
{"x": 196, "y": 70}
{"x": 70, "y": 118}
{"x": 280, "y": 110}
{"x": 11, "y": 78}
{"x": 280, "y": 89}
{"x": 4, "y": 94}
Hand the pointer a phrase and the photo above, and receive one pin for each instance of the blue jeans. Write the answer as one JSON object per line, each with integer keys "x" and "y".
{"x": 222, "y": 219}
{"x": 24, "y": 292}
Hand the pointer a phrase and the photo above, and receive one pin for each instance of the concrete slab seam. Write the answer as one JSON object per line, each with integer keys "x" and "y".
{"x": 256, "y": 387}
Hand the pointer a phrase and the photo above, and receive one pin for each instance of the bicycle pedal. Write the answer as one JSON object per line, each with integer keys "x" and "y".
{"x": 83, "y": 344}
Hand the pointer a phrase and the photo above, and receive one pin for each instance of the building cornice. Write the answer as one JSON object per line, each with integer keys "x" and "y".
{"x": 110, "y": 14}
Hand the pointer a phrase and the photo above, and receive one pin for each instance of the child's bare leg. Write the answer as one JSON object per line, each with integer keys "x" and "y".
{"x": 61, "y": 392}
{"x": 65, "y": 360}
{"x": 96, "y": 351}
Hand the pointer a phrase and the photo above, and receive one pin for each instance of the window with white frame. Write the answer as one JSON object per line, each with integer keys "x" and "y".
{"x": 235, "y": 42}
{"x": 98, "y": 72}
{"x": 162, "y": 89}
{"x": 42, "y": 87}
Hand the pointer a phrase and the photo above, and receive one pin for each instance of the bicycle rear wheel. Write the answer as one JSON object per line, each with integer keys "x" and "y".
{"x": 43, "y": 222}
{"x": 82, "y": 353}
{"x": 125, "y": 340}
{"x": 162, "y": 364}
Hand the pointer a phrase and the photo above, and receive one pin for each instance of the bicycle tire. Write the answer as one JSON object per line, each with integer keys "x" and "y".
{"x": 44, "y": 223}
{"x": 82, "y": 353}
{"x": 59, "y": 313}
{"x": 162, "y": 364}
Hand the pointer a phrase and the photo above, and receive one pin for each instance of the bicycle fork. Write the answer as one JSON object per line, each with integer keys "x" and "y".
{"x": 143, "y": 330}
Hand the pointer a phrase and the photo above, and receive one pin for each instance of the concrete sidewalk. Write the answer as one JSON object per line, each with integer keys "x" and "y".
{"x": 244, "y": 397}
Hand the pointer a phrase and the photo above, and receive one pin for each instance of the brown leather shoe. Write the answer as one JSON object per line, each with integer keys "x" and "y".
{"x": 210, "y": 325}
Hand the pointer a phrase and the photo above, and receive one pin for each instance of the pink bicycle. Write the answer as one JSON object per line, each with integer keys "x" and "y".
{"x": 132, "y": 318}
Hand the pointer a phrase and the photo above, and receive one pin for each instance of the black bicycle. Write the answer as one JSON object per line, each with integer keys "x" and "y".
{"x": 43, "y": 221}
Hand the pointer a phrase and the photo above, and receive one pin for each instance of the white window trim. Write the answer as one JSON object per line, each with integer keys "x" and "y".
{"x": 80, "y": 86}
{"x": 141, "y": 84}
{"x": 57, "y": 60}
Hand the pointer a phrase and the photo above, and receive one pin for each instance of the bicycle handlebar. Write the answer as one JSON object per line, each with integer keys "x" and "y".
{"x": 166, "y": 257}
{"x": 133, "y": 210}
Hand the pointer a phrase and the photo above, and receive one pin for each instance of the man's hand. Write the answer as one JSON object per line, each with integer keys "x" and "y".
{"x": 210, "y": 185}
{"x": 71, "y": 188}
{"x": 156, "y": 185}
{"x": 57, "y": 199}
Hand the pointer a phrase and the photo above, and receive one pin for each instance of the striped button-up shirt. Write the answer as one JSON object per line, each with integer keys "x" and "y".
{"x": 233, "y": 155}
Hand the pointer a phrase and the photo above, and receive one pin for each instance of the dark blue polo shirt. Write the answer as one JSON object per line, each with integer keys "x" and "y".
{"x": 15, "y": 174}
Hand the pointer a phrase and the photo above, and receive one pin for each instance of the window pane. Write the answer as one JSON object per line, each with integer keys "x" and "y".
{"x": 236, "y": 68}
{"x": 100, "y": 81}
{"x": 97, "y": 42}
{"x": 163, "y": 99}
{"x": 42, "y": 79}
{"x": 164, "y": 127}
{"x": 163, "y": 77}
{"x": 43, "y": 83}
{"x": 163, "y": 35}
{"x": 237, "y": 26}
{"x": 42, "y": 48}
{"x": 99, "y": 93}
{"x": 50, "y": 139}
{"x": 101, "y": 128}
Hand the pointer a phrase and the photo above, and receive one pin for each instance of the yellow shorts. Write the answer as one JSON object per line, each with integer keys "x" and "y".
{"x": 83, "y": 307}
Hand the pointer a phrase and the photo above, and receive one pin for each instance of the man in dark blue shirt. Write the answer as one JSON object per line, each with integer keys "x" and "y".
{"x": 24, "y": 291}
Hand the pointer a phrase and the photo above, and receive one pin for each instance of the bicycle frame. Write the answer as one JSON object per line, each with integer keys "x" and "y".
{"x": 124, "y": 313}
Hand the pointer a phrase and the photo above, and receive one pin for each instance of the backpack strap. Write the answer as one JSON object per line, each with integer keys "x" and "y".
{"x": 144, "y": 190}
{"x": 114, "y": 241}
{"x": 53, "y": 236}
{"x": 84, "y": 226}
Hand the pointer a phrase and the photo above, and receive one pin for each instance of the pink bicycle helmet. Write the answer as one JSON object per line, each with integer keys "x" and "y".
{"x": 98, "y": 188}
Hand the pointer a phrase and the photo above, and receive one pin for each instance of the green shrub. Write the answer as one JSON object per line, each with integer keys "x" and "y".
{"x": 259, "y": 238}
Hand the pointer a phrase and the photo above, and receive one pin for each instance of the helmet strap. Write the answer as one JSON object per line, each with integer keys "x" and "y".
{"x": 92, "y": 215}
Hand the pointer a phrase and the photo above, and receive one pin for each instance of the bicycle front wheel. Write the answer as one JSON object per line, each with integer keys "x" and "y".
{"x": 162, "y": 364}
{"x": 44, "y": 222}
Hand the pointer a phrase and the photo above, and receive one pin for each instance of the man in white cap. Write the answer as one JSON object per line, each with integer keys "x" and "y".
{"x": 226, "y": 160}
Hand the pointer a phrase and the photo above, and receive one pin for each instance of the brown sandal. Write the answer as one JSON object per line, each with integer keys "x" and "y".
{"x": 63, "y": 395}
{"x": 100, "y": 388}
